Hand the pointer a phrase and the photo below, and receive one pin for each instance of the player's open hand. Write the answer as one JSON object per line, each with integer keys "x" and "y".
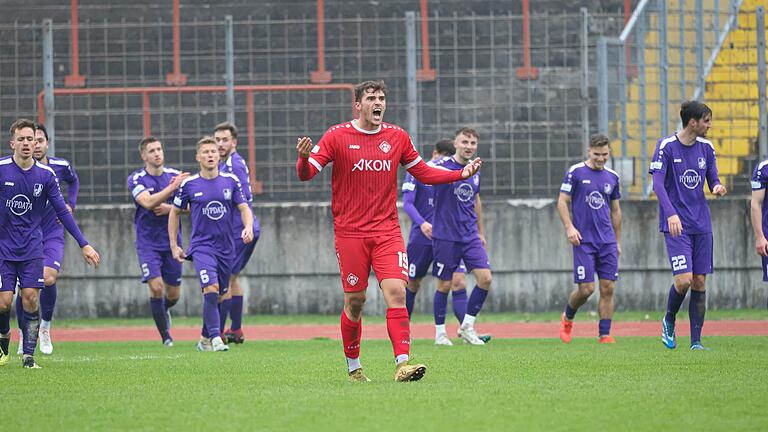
{"x": 304, "y": 146}
{"x": 162, "y": 209}
{"x": 471, "y": 168}
{"x": 176, "y": 181}
{"x": 675, "y": 226}
{"x": 761, "y": 247}
{"x": 247, "y": 235}
{"x": 719, "y": 190}
{"x": 574, "y": 236}
{"x": 178, "y": 253}
{"x": 91, "y": 256}
{"x": 426, "y": 229}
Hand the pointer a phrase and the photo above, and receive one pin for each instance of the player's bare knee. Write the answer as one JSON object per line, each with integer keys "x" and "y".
{"x": 586, "y": 289}
{"x": 49, "y": 280}
{"x": 172, "y": 292}
{"x": 29, "y": 299}
{"x": 211, "y": 289}
{"x": 484, "y": 279}
{"x": 414, "y": 285}
{"x": 606, "y": 288}
{"x": 5, "y": 302}
{"x": 683, "y": 282}
{"x": 355, "y": 304}
{"x": 155, "y": 288}
{"x": 458, "y": 283}
{"x": 698, "y": 283}
{"x": 443, "y": 286}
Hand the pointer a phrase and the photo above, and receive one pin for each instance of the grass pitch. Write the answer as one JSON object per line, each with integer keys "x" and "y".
{"x": 507, "y": 385}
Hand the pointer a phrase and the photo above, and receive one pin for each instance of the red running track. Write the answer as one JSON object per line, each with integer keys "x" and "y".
{"x": 418, "y": 331}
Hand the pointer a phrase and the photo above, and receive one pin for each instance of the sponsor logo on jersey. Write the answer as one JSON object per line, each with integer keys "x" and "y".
{"x": 12, "y": 183}
{"x": 607, "y": 188}
{"x": 702, "y": 163}
{"x": 227, "y": 194}
{"x": 464, "y": 192}
{"x": 37, "y": 189}
{"x": 656, "y": 165}
{"x": 215, "y": 210}
{"x": 352, "y": 279}
{"x": 354, "y": 147}
{"x": 595, "y": 200}
{"x": 372, "y": 165}
{"x": 677, "y": 160}
{"x": 586, "y": 181}
{"x": 690, "y": 179}
{"x": 385, "y": 147}
{"x": 19, "y": 204}
{"x": 756, "y": 185}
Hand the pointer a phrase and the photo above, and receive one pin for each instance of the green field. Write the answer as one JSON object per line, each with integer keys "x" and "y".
{"x": 419, "y": 317}
{"x": 508, "y": 385}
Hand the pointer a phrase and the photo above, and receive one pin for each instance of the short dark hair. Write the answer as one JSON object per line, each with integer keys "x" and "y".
{"x": 468, "y": 131}
{"x": 373, "y": 86}
{"x": 693, "y": 110}
{"x": 21, "y": 124}
{"x": 599, "y": 140}
{"x": 205, "y": 140}
{"x": 41, "y": 127}
{"x": 226, "y": 126}
{"x": 445, "y": 147}
{"x": 145, "y": 142}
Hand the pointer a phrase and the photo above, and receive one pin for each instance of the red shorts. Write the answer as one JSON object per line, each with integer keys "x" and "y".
{"x": 356, "y": 256}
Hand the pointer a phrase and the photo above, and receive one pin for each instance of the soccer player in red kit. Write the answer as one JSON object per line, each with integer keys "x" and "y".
{"x": 365, "y": 153}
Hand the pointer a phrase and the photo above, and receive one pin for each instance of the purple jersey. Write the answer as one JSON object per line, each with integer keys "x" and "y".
{"x": 760, "y": 182}
{"x": 26, "y": 195}
{"x": 418, "y": 204}
{"x": 212, "y": 203}
{"x": 65, "y": 173}
{"x": 591, "y": 194}
{"x": 684, "y": 169}
{"x": 151, "y": 230}
{"x": 235, "y": 164}
{"x": 455, "y": 218}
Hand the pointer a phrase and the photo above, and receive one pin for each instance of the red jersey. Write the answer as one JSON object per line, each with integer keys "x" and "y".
{"x": 364, "y": 181}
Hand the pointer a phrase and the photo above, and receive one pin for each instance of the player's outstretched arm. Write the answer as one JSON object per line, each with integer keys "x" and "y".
{"x": 616, "y": 222}
{"x": 247, "y": 216}
{"x": 573, "y": 235}
{"x": 303, "y": 167}
{"x": 173, "y": 233}
{"x": 151, "y": 201}
{"x": 756, "y": 214}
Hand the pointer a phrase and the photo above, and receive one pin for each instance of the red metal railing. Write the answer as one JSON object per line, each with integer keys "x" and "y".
{"x": 527, "y": 71}
{"x": 248, "y": 89}
{"x": 176, "y": 78}
{"x": 74, "y": 79}
{"x": 321, "y": 76}
{"x": 426, "y": 73}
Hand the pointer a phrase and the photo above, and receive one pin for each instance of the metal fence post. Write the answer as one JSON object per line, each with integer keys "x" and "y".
{"x": 681, "y": 24}
{"x": 700, "y": 48}
{"x": 584, "y": 76}
{"x": 410, "y": 66}
{"x": 763, "y": 113}
{"x": 663, "y": 69}
{"x": 716, "y": 18}
{"x": 642, "y": 101}
{"x": 602, "y": 85}
{"x": 229, "y": 78}
{"x": 48, "y": 100}
{"x": 623, "y": 98}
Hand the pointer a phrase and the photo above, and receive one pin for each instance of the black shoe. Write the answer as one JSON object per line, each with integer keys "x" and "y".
{"x": 28, "y": 362}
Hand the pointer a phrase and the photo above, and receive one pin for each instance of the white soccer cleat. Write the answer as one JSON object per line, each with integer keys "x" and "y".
{"x": 218, "y": 344}
{"x": 469, "y": 335}
{"x": 442, "y": 339}
{"x": 204, "y": 344}
{"x": 46, "y": 346}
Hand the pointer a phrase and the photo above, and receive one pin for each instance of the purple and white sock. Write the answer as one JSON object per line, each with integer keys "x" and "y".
{"x": 604, "y": 327}
{"x": 674, "y": 301}
{"x": 697, "y": 308}
{"x": 476, "y": 300}
{"x": 158, "y": 314}
{"x": 31, "y": 329}
{"x": 440, "y": 307}
{"x": 459, "y": 300}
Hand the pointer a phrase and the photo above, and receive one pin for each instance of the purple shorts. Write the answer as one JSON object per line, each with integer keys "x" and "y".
{"x": 591, "y": 258}
{"x": 690, "y": 253}
{"x": 765, "y": 268}
{"x": 155, "y": 264}
{"x": 420, "y": 258}
{"x": 28, "y": 273}
{"x": 212, "y": 268}
{"x": 243, "y": 252}
{"x": 449, "y": 255}
{"x": 53, "y": 251}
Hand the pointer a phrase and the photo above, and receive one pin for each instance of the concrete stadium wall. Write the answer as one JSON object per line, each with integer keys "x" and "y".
{"x": 294, "y": 268}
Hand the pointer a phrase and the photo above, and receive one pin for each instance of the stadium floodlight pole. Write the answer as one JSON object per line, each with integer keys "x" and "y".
{"x": 230, "y": 74}
{"x": 410, "y": 66}
{"x": 763, "y": 122}
{"x": 663, "y": 69}
{"x": 48, "y": 85}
